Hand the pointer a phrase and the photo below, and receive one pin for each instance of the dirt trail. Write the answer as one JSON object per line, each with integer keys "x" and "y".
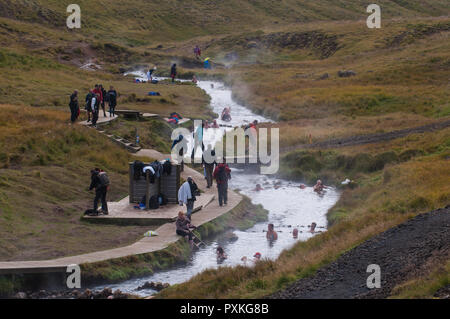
{"x": 401, "y": 252}
{"x": 370, "y": 138}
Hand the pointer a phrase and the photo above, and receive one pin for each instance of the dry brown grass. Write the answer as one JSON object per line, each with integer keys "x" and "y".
{"x": 383, "y": 199}
{"x": 44, "y": 175}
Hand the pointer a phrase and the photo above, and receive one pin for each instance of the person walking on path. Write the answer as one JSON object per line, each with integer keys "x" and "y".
{"x": 173, "y": 72}
{"x": 222, "y": 174}
{"x": 74, "y": 107}
{"x": 99, "y": 182}
{"x": 209, "y": 163}
{"x": 150, "y": 74}
{"x": 186, "y": 195}
{"x": 197, "y": 52}
{"x": 112, "y": 100}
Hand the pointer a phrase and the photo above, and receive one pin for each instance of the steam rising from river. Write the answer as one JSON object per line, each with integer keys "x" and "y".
{"x": 289, "y": 207}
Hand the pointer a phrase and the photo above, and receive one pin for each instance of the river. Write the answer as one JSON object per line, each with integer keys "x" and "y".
{"x": 289, "y": 207}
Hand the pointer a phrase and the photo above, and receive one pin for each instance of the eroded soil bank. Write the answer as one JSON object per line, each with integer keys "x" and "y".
{"x": 402, "y": 252}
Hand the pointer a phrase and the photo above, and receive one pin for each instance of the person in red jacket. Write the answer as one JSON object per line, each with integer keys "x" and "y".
{"x": 222, "y": 174}
{"x": 98, "y": 90}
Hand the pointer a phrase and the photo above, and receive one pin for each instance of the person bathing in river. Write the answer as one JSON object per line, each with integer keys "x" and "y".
{"x": 214, "y": 124}
{"x": 313, "y": 228}
{"x": 183, "y": 227}
{"x": 221, "y": 256}
{"x": 226, "y": 114}
{"x": 258, "y": 188}
{"x": 194, "y": 79}
{"x": 271, "y": 233}
{"x": 295, "y": 233}
{"x": 318, "y": 188}
{"x": 257, "y": 257}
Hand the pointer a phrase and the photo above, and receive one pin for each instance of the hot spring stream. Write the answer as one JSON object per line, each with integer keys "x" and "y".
{"x": 288, "y": 206}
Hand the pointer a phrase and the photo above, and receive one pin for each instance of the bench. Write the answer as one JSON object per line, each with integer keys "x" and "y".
{"x": 129, "y": 113}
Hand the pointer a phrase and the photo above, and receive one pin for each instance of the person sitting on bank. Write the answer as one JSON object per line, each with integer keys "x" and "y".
{"x": 221, "y": 256}
{"x": 271, "y": 233}
{"x": 183, "y": 227}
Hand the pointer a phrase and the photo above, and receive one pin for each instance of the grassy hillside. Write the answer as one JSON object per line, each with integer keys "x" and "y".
{"x": 282, "y": 59}
{"x": 44, "y": 176}
{"x": 140, "y": 22}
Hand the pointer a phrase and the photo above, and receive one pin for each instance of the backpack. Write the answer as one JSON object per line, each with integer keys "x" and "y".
{"x": 154, "y": 202}
{"x": 104, "y": 179}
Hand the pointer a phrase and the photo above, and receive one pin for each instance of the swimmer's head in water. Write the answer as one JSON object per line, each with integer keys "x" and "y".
{"x": 257, "y": 255}
{"x": 270, "y": 227}
{"x": 220, "y": 250}
{"x": 295, "y": 233}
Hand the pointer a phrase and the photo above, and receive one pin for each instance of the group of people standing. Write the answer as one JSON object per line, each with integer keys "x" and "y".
{"x": 95, "y": 99}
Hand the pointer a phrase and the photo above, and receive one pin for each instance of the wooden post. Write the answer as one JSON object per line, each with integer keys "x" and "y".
{"x": 147, "y": 195}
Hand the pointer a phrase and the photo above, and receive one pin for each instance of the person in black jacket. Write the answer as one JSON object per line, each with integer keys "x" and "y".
{"x": 100, "y": 191}
{"x": 88, "y": 108}
{"x": 73, "y": 105}
{"x": 173, "y": 72}
{"x": 112, "y": 100}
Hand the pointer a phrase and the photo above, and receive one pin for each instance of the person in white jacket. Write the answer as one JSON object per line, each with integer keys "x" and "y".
{"x": 186, "y": 195}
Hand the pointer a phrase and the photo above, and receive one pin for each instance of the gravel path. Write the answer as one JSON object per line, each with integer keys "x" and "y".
{"x": 369, "y": 138}
{"x": 401, "y": 252}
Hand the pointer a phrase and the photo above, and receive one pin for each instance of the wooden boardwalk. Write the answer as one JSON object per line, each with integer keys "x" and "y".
{"x": 166, "y": 232}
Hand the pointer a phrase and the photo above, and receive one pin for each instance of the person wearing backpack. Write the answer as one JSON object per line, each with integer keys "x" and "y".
{"x": 100, "y": 182}
{"x": 88, "y": 107}
{"x": 222, "y": 174}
